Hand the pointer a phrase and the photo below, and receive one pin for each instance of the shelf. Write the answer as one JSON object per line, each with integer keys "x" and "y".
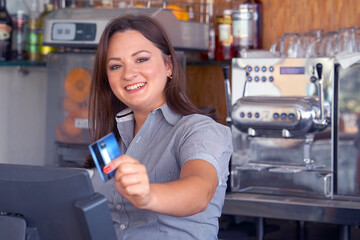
{"x": 208, "y": 63}
{"x": 22, "y": 64}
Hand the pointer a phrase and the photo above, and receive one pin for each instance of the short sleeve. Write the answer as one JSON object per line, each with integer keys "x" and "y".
{"x": 205, "y": 139}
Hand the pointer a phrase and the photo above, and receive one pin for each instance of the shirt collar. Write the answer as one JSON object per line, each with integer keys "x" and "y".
{"x": 125, "y": 115}
{"x": 169, "y": 115}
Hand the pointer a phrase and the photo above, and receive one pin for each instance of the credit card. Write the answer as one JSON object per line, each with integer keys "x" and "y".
{"x": 103, "y": 152}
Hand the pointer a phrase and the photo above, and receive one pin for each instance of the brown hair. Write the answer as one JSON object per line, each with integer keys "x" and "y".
{"x": 103, "y": 104}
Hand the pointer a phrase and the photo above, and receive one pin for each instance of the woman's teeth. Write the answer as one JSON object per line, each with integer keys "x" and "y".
{"x": 135, "y": 86}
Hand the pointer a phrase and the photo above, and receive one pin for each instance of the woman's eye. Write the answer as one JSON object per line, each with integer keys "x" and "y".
{"x": 142, "y": 60}
{"x": 115, "y": 66}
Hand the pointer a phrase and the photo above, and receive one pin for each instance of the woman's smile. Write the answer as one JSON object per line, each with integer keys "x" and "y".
{"x": 135, "y": 87}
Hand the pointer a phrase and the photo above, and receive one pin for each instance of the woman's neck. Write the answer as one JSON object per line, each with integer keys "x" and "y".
{"x": 139, "y": 121}
{"x": 140, "y": 117}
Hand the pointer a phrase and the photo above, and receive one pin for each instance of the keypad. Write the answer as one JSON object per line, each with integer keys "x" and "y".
{"x": 275, "y": 116}
{"x": 257, "y": 71}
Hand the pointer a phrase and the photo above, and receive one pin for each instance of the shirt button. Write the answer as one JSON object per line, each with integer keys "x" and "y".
{"x": 122, "y": 226}
{"x": 118, "y": 206}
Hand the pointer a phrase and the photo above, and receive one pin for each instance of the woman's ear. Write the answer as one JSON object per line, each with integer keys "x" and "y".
{"x": 169, "y": 65}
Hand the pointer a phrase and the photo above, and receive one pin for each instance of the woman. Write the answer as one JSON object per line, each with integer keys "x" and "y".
{"x": 170, "y": 181}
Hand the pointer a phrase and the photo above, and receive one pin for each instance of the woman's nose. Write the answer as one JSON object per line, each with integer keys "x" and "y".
{"x": 130, "y": 72}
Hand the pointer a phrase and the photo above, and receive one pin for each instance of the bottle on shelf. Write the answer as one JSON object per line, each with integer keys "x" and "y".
{"x": 190, "y": 10}
{"x": 224, "y": 38}
{"x": 19, "y": 12}
{"x": 33, "y": 27}
{"x": 106, "y": 4}
{"x": 210, "y": 20}
{"x": 44, "y": 49}
{"x": 247, "y": 25}
{"x": 57, "y": 4}
{"x": 5, "y": 32}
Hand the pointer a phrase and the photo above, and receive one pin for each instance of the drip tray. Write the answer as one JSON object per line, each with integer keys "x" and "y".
{"x": 287, "y": 169}
{"x": 296, "y": 180}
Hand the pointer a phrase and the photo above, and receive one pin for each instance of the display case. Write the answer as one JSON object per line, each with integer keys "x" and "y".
{"x": 68, "y": 88}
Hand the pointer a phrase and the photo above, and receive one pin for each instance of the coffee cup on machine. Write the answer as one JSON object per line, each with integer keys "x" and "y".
{"x": 308, "y": 41}
{"x": 346, "y": 40}
{"x": 289, "y": 45}
{"x": 328, "y": 46}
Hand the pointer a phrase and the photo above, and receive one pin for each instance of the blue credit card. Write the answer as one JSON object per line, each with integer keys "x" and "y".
{"x": 103, "y": 151}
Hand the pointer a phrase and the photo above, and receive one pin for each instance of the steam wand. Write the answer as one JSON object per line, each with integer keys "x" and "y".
{"x": 225, "y": 69}
{"x": 321, "y": 120}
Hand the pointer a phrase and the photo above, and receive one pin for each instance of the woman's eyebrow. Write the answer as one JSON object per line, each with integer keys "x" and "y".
{"x": 113, "y": 58}
{"x": 133, "y": 55}
{"x": 138, "y": 52}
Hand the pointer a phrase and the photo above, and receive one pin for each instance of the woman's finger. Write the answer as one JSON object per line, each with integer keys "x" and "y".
{"x": 115, "y": 163}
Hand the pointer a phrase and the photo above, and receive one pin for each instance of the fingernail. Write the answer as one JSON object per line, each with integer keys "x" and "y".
{"x": 107, "y": 169}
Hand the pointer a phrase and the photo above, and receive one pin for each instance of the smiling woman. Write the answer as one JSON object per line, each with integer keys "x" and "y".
{"x": 137, "y": 71}
{"x": 170, "y": 181}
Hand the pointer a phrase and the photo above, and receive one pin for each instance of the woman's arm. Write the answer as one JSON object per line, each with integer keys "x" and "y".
{"x": 189, "y": 195}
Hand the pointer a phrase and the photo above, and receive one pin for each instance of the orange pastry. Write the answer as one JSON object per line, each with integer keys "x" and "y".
{"x": 62, "y": 137}
{"x": 83, "y": 112}
{"x": 69, "y": 127}
{"x": 70, "y": 105}
{"x": 77, "y": 85}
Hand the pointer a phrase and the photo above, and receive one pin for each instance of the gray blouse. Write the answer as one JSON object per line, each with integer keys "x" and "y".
{"x": 165, "y": 142}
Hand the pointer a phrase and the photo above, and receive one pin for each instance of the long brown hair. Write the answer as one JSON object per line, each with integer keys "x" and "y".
{"x": 103, "y": 104}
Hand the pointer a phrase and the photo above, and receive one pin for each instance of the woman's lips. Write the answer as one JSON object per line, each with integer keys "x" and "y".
{"x": 135, "y": 86}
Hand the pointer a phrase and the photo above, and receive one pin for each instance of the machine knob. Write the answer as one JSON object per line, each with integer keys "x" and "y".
{"x": 319, "y": 68}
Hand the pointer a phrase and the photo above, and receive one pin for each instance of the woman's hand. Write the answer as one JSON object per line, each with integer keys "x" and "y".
{"x": 198, "y": 180}
{"x": 131, "y": 180}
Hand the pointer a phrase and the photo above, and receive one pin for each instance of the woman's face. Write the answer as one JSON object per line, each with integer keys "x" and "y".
{"x": 137, "y": 71}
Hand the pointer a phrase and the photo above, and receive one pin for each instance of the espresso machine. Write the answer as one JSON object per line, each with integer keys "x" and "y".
{"x": 293, "y": 131}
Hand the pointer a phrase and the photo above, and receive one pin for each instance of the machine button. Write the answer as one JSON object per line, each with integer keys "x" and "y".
{"x": 257, "y": 79}
{"x": 263, "y": 79}
{"x": 291, "y": 116}
{"x": 257, "y": 115}
{"x": 242, "y": 114}
{"x": 257, "y": 69}
{"x": 263, "y": 69}
{"x": 249, "y": 115}
{"x": 271, "y": 68}
{"x": 313, "y": 79}
{"x": 249, "y": 78}
{"x": 283, "y": 116}
{"x": 276, "y": 116}
{"x": 271, "y": 78}
{"x": 249, "y": 68}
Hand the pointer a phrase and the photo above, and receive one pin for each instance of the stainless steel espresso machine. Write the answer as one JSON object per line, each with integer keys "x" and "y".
{"x": 282, "y": 126}
{"x": 295, "y": 125}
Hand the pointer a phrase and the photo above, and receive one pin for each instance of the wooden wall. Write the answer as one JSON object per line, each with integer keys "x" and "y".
{"x": 303, "y": 15}
{"x": 205, "y": 82}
